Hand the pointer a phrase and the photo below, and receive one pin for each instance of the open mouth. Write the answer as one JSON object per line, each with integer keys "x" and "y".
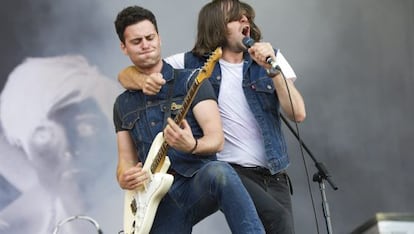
{"x": 246, "y": 31}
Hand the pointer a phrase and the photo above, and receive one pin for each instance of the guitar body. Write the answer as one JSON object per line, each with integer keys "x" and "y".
{"x": 140, "y": 205}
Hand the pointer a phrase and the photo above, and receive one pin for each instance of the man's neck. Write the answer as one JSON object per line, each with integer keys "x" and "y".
{"x": 231, "y": 56}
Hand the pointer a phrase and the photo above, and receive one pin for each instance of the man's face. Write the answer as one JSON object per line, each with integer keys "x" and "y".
{"x": 236, "y": 31}
{"x": 142, "y": 45}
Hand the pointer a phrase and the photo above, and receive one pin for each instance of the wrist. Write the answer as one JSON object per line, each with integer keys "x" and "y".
{"x": 273, "y": 72}
{"x": 195, "y": 146}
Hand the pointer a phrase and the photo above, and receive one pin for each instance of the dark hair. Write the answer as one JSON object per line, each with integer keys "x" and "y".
{"x": 212, "y": 25}
{"x": 249, "y": 12}
{"x": 132, "y": 15}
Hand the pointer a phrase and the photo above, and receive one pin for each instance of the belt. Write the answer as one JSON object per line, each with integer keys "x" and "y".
{"x": 265, "y": 172}
{"x": 258, "y": 169}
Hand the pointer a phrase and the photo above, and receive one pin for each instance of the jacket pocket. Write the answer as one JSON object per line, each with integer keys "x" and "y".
{"x": 266, "y": 94}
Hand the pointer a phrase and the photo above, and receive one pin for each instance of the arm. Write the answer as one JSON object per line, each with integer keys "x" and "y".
{"x": 129, "y": 171}
{"x": 208, "y": 117}
{"x": 282, "y": 86}
{"x": 130, "y": 78}
{"x": 286, "y": 91}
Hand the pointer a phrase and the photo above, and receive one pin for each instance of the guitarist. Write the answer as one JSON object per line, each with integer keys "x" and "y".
{"x": 202, "y": 185}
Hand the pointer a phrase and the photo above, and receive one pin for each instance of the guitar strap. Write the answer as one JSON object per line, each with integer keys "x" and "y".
{"x": 169, "y": 96}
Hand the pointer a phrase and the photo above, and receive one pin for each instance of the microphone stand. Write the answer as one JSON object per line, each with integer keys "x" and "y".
{"x": 321, "y": 175}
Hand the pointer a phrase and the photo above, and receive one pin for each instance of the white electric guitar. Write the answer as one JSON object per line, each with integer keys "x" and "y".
{"x": 140, "y": 205}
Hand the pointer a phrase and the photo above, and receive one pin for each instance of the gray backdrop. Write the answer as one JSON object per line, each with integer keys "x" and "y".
{"x": 354, "y": 60}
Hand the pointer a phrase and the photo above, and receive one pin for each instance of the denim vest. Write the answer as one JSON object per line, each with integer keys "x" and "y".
{"x": 263, "y": 102}
{"x": 143, "y": 116}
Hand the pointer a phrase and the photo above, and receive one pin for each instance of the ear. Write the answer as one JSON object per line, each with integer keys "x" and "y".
{"x": 123, "y": 48}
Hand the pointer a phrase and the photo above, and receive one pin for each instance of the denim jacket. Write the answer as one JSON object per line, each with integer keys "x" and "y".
{"x": 144, "y": 116}
{"x": 263, "y": 102}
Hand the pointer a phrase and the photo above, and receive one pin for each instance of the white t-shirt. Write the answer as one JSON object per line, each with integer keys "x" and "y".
{"x": 243, "y": 143}
{"x": 177, "y": 61}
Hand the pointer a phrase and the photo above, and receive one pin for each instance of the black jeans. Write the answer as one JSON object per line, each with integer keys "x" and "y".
{"x": 271, "y": 196}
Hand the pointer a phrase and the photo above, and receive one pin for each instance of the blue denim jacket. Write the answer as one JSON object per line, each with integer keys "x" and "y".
{"x": 264, "y": 104}
{"x": 143, "y": 116}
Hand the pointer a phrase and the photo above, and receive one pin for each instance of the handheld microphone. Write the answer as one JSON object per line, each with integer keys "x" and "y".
{"x": 249, "y": 42}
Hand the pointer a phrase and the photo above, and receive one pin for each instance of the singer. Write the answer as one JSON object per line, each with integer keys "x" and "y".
{"x": 250, "y": 92}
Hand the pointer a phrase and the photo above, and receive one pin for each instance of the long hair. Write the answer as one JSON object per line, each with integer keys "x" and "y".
{"x": 212, "y": 25}
{"x": 249, "y": 12}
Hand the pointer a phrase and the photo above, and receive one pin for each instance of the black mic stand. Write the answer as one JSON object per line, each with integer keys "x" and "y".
{"x": 321, "y": 175}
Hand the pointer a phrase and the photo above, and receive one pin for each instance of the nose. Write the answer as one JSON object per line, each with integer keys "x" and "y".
{"x": 144, "y": 43}
{"x": 244, "y": 19}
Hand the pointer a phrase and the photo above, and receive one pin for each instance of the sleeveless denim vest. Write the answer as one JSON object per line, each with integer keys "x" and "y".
{"x": 143, "y": 116}
{"x": 263, "y": 102}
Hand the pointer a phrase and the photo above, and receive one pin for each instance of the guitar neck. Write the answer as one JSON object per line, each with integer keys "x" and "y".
{"x": 203, "y": 74}
{"x": 188, "y": 99}
{"x": 187, "y": 102}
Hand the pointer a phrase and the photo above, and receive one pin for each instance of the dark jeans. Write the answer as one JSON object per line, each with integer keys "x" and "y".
{"x": 215, "y": 186}
{"x": 271, "y": 196}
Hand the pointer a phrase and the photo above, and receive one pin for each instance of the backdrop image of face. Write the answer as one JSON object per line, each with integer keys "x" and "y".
{"x": 57, "y": 144}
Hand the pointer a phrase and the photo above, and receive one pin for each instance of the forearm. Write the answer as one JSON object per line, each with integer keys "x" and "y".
{"x": 289, "y": 96}
{"x": 131, "y": 79}
{"x": 127, "y": 157}
{"x": 212, "y": 143}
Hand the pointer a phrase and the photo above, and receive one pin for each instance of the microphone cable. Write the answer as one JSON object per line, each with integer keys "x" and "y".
{"x": 301, "y": 145}
{"x": 249, "y": 42}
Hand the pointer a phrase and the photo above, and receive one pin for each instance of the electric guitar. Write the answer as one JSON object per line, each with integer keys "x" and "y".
{"x": 140, "y": 205}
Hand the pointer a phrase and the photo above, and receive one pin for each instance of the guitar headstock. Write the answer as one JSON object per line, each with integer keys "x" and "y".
{"x": 208, "y": 67}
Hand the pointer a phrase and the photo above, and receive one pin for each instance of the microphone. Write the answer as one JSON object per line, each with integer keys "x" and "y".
{"x": 249, "y": 42}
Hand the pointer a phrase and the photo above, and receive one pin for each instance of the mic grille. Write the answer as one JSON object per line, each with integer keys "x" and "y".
{"x": 248, "y": 42}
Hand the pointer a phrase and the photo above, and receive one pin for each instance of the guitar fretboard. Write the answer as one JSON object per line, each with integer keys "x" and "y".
{"x": 203, "y": 74}
{"x": 178, "y": 118}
